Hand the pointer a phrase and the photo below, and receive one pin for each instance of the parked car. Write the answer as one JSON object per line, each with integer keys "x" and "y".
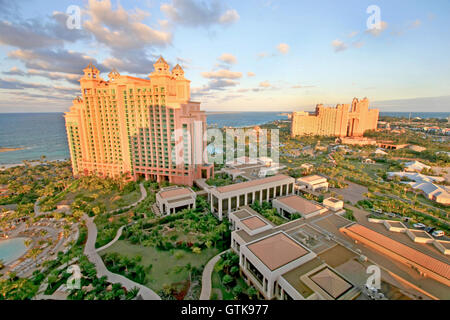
{"x": 419, "y": 226}
{"x": 438, "y": 233}
{"x": 430, "y": 229}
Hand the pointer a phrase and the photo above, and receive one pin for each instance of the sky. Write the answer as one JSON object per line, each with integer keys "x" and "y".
{"x": 252, "y": 55}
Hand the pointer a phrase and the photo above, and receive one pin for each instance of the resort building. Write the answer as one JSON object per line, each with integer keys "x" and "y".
{"x": 173, "y": 199}
{"x": 333, "y": 204}
{"x": 417, "y": 257}
{"x": 342, "y": 121}
{"x": 227, "y": 199}
{"x": 290, "y": 205}
{"x": 279, "y": 266}
{"x": 136, "y": 127}
{"x": 313, "y": 183}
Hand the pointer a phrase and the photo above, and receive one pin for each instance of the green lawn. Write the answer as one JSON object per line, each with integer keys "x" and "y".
{"x": 168, "y": 267}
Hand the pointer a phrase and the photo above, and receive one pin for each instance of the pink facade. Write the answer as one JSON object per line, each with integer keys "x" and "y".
{"x": 128, "y": 126}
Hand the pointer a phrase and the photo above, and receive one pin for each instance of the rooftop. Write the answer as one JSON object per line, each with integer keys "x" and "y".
{"x": 176, "y": 192}
{"x": 400, "y": 249}
{"x": 331, "y": 282}
{"x": 253, "y": 183}
{"x": 300, "y": 204}
{"x": 254, "y": 223}
{"x": 242, "y": 214}
{"x": 311, "y": 178}
{"x": 277, "y": 250}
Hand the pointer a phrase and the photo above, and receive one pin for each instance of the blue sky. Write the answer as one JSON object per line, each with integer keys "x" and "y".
{"x": 254, "y": 55}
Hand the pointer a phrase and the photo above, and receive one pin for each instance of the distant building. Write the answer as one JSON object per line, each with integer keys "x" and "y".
{"x": 415, "y": 166}
{"x": 313, "y": 183}
{"x": 333, "y": 204}
{"x": 342, "y": 121}
{"x": 127, "y": 125}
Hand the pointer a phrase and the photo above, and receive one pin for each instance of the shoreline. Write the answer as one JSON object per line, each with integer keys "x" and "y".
{"x": 32, "y": 163}
{"x": 10, "y": 149}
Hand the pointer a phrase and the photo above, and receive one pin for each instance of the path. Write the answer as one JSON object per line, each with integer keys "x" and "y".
{"x": 206, "y": 277}
{"x": 94, "y": 257}
{"x": 106, "y": 246}
{"x": 142, "y": 198}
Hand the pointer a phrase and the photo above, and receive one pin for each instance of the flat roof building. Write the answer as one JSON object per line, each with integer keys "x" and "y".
{"x": 173, "y": 199}
{"x": 313, "y": 183}
{"x": 425, "y": 264}
{"x": 227, "y": 199}
{"x": 289, "y": 205}
{"x": 279, "y": 266}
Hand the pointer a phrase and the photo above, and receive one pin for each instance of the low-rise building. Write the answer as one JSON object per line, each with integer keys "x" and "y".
{"x": 172, "y": 199}
{"x": 227, "y": 199}
{"x": 333, "y": 204}
{"x": 290, "y": 205}
{"x": 415, "y": 166}
{"x": 279, "y": 266}
{"x": 314, "y": 183}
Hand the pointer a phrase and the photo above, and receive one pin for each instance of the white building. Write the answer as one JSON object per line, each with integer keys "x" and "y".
{"x": 415, "y": 166}
{"x": 289, "y": 205}
{"x": 279, "y": 266}
{"x": 313, "y": 183}
{"x": 173, "y": 199}
{"x": 227, "y": 199}
{"x": 333, "y": 204}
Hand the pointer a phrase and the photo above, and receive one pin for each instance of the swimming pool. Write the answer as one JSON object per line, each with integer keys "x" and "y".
{"x": 12, "y": 249}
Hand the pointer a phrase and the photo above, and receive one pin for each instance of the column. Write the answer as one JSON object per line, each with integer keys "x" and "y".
{"x": 229, "y": 205}
{"x": 220, "y": 208}
{"x": 246, "y": 199}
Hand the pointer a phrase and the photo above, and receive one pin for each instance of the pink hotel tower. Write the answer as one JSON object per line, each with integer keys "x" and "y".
{"x": 126, "y": 125}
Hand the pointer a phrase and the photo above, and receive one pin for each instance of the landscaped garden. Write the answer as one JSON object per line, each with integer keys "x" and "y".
{"x": 227, "y": 283}
{"x": 173, "y": 249}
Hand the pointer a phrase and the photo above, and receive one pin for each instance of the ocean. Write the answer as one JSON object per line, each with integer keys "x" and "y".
{"x": 44, "y": 133}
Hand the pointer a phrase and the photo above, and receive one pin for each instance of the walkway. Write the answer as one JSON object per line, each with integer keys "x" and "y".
{"x": 142, "y": 198}
{"x": 206, "y": 277}
{"x": 119, "y": 233}
{"x": 94, "y": 257}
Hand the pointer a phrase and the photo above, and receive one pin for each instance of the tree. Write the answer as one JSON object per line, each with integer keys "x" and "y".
{"x": 227, "y": 279}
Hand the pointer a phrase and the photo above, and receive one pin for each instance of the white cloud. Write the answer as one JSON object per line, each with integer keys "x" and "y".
{"x": 283, "y": 48}
{"x": 228, "y": 58}
{"x": 251, "y": 74}
{"x": 229, "y": 17}
{"x": 199, "y": 14}
{"x": 338, "y": 45}
{"x": 222, "y": 74}
{"x": 353, "y": 34}
{"x": 265, "y": 84}
{"x": 377, "y": 31}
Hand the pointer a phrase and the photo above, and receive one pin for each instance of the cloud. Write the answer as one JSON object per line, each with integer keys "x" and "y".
{"x": 377, "y": 31}
{"x": 283, "y": 48}
{"x": 229, "y": 17}
{"x": 262, "y": 55}
{"x": 338, "y": 45}
{"x": 121, "y": 30}
{"x": 251, "y": 74}
{"x": 14, "y": 71}
{"x": 353, "y": 34}
{"x": 222, "y": 74}
{"x": 228, "y": 58}
{"x": 39, "y": 33}
{"x": 199, "y": 14}
{"x": 265, "y": 84}
{"x": 57, "y": 60}
{"x": 14, "y": 84}
{"x": 302, "y": 87}
{"x": 415, "y": 24}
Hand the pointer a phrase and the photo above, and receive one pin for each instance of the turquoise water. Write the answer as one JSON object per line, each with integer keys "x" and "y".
{"x": 12, "y": 249}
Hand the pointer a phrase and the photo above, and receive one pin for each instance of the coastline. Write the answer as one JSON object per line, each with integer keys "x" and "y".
{"x": 30, "y": 162}
{"x": 10, "y": 149}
